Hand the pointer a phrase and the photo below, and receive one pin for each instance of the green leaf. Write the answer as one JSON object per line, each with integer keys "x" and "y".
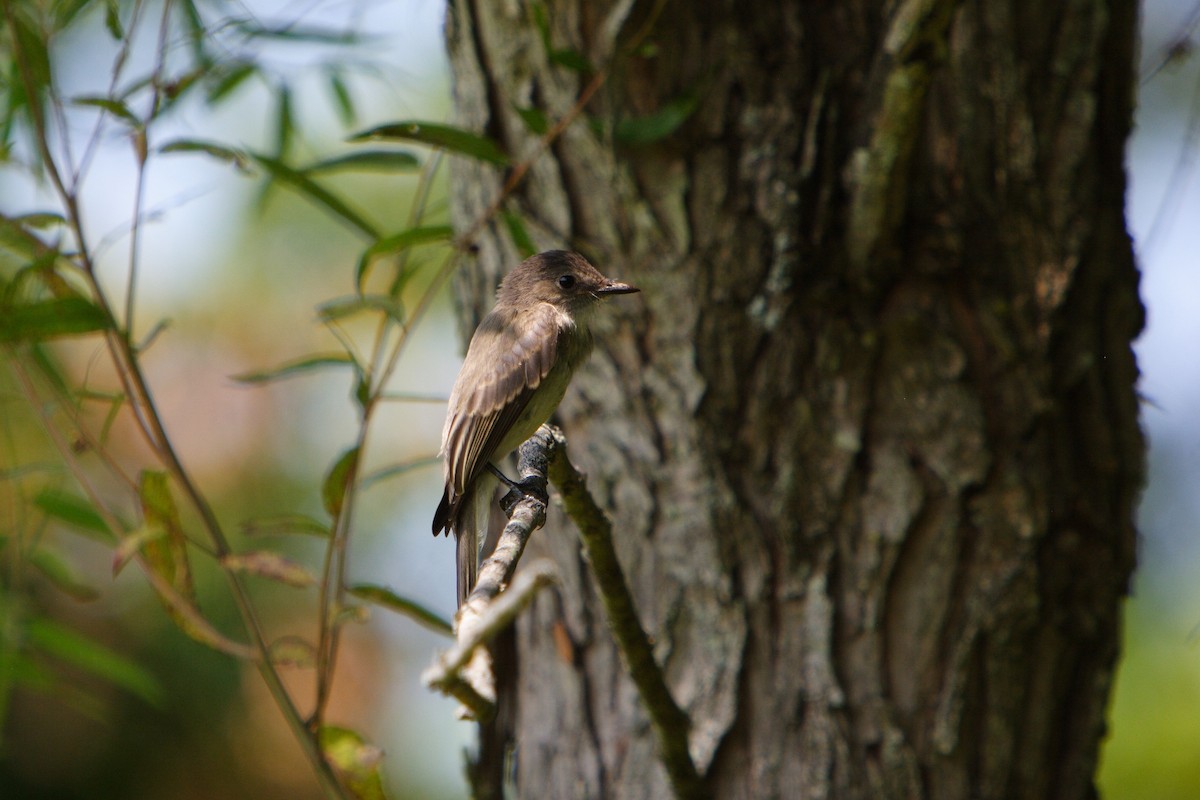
{"x": 386, "y": 598}
{"x": 342, "y": 99}
{"x": 285, "y": 524}
{"x": 41, "y": 220}
{"x": 571, "y": 59}
{"x": 284, "y": 122}
{"x": 220, "y": 152}
{"x": 447, "y": 137}
{"x": 369, "y": 160}
{"x": 49, "y": 319}
{"x": 62, "y": 576}
{"x": 32, "y": 53}
{"x": 114, "y": 107}
{"x": 659, "y": 125}
{"x": 396, "y": 469}
{"x": 296, "y": 367}
{"x": 337, "y": 482}
{"x": 270, "y": 565}
{"x": 398, "y": 242}
{"x": 356, "y": 761}
{"x": 534, "y": 119}
{"x": 348, "y": 306}
{"x": 520, "y": 237}
{"x": 66, "y": 645}
{"x": 231, "y": 78}
{"x": 112, "y": 20}
{"x": 315, "y": 192}
{"x": 75, "y": 511}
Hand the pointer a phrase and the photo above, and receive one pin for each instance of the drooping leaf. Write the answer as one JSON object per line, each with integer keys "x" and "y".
{"x": 343, "y": 101}
{"x": 192, "y": 622}
{"x": 534, "y": 119}
{"x": 75, "y": 511}
{"x": 73, "y": 648}
{"x": 520, "y": 237}
{"x": 397, "y": 242}
{"x": 62, "y": 576}
{"x": 270, "y": 565}
{"x": 50, "y": 319}
{"x": 447, "y": 137}
{"x": 393, "y": 470}
{"x": 114, "y": 107}
{"x": 348, "y": 306}
{"x": 285, "y": 123}
{"x": 112, "y": 20}
{"x": 296, "y": 367}
{"x": 571, "y": 59}
{"x": 337, "y": 481}
{"x": 231, "y": 77}
{"x": 356, "y": 761}
{"x": 237, "y": 158}
{"x": 315, "y": 192}
{"x": 286, "y": 524}
{"x": 386, "y": 598}
{"x": 34, "y": 58}
{"x": 369, "y": 160}
{"x": 659, "y": 125}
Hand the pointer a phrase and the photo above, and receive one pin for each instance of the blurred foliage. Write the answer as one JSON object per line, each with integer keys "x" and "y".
{"x": 93, "y": 475}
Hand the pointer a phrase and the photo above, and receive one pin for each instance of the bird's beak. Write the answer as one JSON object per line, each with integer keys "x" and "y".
{"x": 613, "y": 287}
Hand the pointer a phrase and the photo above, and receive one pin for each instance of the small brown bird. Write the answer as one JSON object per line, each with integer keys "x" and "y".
{"x": 517, "y": 368}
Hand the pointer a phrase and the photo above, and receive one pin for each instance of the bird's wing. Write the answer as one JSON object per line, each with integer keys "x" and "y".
{"x": 482, "y": 414}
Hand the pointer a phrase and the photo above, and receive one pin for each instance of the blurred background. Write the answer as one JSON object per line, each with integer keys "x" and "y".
{"x": 239, "y": 272}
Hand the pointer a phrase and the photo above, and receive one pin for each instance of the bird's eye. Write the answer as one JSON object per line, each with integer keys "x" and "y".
{"x": 566, "y": 281}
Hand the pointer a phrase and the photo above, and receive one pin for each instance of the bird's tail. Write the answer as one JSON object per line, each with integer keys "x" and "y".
{"x": 466, "y": 535}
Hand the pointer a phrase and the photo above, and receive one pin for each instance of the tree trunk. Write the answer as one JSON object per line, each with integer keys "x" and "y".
{"x": 869, "y": 436}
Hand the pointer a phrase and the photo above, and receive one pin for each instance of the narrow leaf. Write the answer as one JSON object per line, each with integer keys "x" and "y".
{"x": 342, "y": 99}
{"x": 66, "y": 645}
{"x": 49, "y": 319}
{"x": 520, "y": 237}
{"x": 348, "y": 306}
{"x": 273, "y": 566}
{"x": 112, "y": 20}
{"x": 62, "y": 576}
{"x": 192, "y": 622}
{"x": 114, "y": 107}
{"x": 659, "y": 125}
{"x": 337, "y": 482}
{"x": 571, "y": 59}
{"x": 386, "y": 598}
{"x": 534, "y": 119}
{"x": 75, "y": 511}
{"x": 369, "y": 160}
{"x": 284, "y": 122}
{"x": 232, "y": 77}
{"x": 220, "y": 152}
{"x": 296, "y": 367}
{"x": 396, "y": 469}
{"x": 447, "y": 137}
{"x": 398, "y": 242}
{"x": 315, "y": 192}
{"x": 286, "y": 524}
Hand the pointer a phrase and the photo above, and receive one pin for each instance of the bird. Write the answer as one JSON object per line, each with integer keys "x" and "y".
{"x": 517, "y": 368}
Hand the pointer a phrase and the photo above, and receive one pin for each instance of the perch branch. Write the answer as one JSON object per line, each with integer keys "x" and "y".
{"x": 670, "y": 722}
{"x": 465, "y": 671}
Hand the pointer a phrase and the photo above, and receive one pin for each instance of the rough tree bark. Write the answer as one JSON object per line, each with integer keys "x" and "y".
{"x": 870, "y": 437}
